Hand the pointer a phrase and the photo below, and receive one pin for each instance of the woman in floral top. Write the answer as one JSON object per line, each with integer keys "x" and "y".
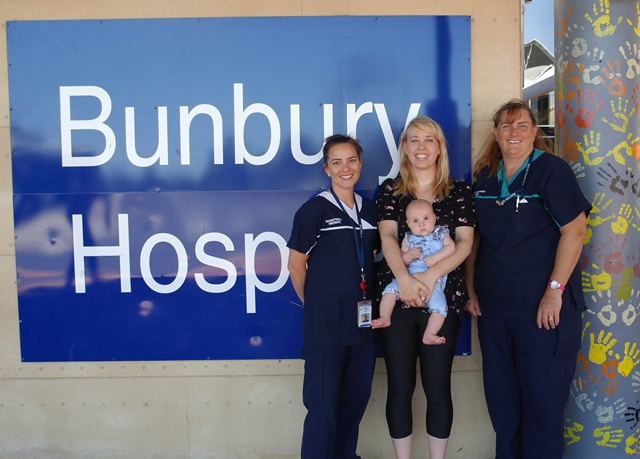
{"x": 424, "y": 174}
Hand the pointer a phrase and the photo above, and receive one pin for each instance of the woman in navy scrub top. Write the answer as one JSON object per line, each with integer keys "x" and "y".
{"x": 525, "y": 285}
{"x": 331, "y": 267}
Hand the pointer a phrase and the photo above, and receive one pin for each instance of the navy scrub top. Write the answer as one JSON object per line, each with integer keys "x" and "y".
{"x": 518, "y": 240}
{"x": 332, "y": 285}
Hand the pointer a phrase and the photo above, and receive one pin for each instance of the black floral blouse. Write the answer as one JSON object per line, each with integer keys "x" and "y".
{"x": 455, "y": 210}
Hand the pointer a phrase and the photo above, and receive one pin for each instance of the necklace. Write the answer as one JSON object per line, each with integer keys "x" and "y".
{"x": 501, "y": 201}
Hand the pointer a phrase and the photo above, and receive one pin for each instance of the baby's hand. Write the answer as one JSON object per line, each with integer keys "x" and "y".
{"x": 430, "y": 261}
{"x": 411, "y": 255}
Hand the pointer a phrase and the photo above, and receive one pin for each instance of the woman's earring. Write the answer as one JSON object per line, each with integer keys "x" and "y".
{"x": 328, "y": 174}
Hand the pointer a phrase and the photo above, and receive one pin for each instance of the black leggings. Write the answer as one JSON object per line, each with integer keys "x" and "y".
{"x": 402, "y": 345}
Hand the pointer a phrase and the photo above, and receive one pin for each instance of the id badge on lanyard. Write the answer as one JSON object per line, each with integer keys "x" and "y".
{"x": 364, "y": 313}
{"x": 364, "y": 307}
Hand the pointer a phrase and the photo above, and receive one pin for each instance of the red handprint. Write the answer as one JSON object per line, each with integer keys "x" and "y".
{"x": 585, "y": 115}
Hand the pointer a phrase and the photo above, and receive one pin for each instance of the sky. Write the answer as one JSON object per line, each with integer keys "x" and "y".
{"x": 538, "y": 22}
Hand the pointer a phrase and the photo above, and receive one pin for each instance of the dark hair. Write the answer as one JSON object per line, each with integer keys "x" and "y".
{"x": 337, "y": 139}
{"x": 490, "y": 154}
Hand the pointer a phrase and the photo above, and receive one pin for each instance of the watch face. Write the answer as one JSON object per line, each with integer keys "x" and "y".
{"x": 554, "y": 284}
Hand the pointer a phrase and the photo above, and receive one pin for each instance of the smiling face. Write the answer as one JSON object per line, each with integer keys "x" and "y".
{"x": 422, "y": 148}
{"x": 515, "y": 136}
{"x": 343, "y": 165}
{"x": 420, "y": 218}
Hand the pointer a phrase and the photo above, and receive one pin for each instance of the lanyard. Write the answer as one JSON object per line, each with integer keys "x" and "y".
{"x": 501, "y": 201}
{"x": 358, "y": 239}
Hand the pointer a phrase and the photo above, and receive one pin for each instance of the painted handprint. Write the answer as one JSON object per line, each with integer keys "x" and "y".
{"x": 616, "y": 85}
{"x": 618, "y": 181}
{"x": 599, "y": 350}
{"x": 590, "y": 149}
{"x": 632, "y": 57}
{"x": 633, "y": 415}
{"x": 631, "y": 443}
{"x": 571, "y": 431}
{"x": 624, "y": 149}
{"x": 598, "y": 282}
{"x": 601, "y": 21}
{"x": 608, "y": 369}
{"x": 609, "y": 437}
{"x": 586, "y": 109}
{"x": 625, "y": 290}
{"x": 606, "y": 413}
{"x": 636, "y": 29}
{"x": 620, "y": 117}
{"x": 630, "y": 314}
{"x": 630, "y": 360}
{"x": 621, "y": 224}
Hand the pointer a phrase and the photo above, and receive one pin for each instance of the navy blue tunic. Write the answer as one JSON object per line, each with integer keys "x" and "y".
{"x": 332, "y": 285}
{"x": 518, "y": 240}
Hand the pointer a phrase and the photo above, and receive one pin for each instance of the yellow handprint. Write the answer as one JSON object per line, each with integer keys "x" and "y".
{"x": 570, "y": 432}
{"x": 623, "y": 149}
{"x": 610, "y": 438}
{"x": 594, "y": 218}
{"x": 621, "y": 224}
{"x": 620, "y": 115}
{"x": 596, "y": 282}
{"x": 631, "y": 443}
{"x": 629, "y": 360}
{"x": 602, "y": 26}
{"x": 598, "y": 351}
{"x": 637, "y": 27}
{"x": 590, "y": 149}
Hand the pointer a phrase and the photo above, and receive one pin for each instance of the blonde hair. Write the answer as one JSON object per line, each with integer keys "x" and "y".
{"x": 407, "y": 182}
{"x": 490, "y": 155}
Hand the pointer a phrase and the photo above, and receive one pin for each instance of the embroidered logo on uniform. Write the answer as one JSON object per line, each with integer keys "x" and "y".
{"x": 334, "y": 221}
{"x": 479, "y": 192}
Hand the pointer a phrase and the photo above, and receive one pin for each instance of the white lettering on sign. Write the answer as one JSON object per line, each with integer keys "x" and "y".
{"x": 241, "y": 114}
{"x": 251, "y": 243}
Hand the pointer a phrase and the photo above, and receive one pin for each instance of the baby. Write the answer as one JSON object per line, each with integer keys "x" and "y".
{"x": 424, "y": 246}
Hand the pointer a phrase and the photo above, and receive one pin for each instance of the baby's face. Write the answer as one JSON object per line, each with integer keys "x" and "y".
{"x": 421, "y": 219}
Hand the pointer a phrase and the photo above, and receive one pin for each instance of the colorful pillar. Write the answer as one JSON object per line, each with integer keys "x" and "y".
{"x": 597, "y": 51}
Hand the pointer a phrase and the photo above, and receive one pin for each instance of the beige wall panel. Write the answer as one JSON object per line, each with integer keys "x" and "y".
{"x": 221, "y": 409}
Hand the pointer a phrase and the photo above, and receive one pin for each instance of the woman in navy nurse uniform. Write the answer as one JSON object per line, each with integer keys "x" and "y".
{"x": 525, "y": 286}
{"x": 331, "y": 253}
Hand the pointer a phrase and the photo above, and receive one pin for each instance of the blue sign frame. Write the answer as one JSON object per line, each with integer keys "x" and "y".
{"x": 157, "y": 165}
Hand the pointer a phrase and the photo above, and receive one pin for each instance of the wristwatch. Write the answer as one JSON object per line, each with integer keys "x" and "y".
{"x": 555, "y": 285}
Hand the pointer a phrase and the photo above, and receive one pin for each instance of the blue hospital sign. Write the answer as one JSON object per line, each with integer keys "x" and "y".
{"x": 157, "y": 166}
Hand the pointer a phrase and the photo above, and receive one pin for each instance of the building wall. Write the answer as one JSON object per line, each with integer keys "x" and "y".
{"x": 220, "y": 409}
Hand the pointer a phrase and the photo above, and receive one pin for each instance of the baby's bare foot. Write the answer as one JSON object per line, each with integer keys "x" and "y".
{"x": 432, "y": 339}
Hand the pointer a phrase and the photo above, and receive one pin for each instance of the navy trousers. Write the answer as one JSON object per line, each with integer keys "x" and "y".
{"x": 336, "y": 390}
{"x": 527, "y": 374}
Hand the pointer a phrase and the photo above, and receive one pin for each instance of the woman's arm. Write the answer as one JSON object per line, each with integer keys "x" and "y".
{"x": 411, "y": 291}
{"x": 298, "y": 271}
{"x": 472, "y": 306}
{"x": 464, "y": 244}
{"x": 567, "y": 255}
